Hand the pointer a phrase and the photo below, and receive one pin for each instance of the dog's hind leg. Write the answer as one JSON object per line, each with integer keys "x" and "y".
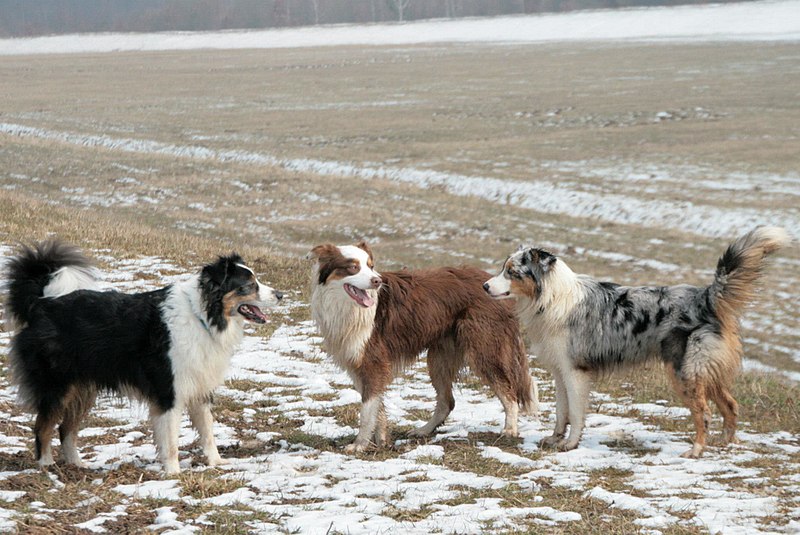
{"x": 444, "y": 362}
{"x": 77, "y": 404}
{"x": 165, "y": 432}
{"x": 562, "y": 412}
{"x": 693, "y": 393}
{"x": 203, "y": 421}
{"x": 702, "y": 418}
{"x": 729, "y": 409}
{"x": 44, "y": 428}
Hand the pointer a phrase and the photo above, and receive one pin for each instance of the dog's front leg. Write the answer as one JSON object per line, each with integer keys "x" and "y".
{"x": 562, "y": 411}
{"x": 203, "y": 421}
{"x": 371, "y": 380}
{"x": 578, "y": 384}
{"x": 382, "y": 426}
{"x": 165, "y": 432}
{"x": 368, "y": 420}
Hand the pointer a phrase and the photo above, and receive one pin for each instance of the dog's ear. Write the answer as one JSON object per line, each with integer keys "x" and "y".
{"x": 217, "y": 273}
{"x": 538, "y": 260}
{"x": 366, "y": 248}
{"x": 529, "y": 256}
{"x": 546, "y": 260}
{"x": 326, "y": 250}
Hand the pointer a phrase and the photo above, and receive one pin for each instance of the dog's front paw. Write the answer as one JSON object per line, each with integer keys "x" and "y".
{"x": 356, "y": 447}
{"x": 512, "y": 433}
{"x": 77, "y": 463}
{"x": 172, "y": 468}
{"x": 217, "y": 461}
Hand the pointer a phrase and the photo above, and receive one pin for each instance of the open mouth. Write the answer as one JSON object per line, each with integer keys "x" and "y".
{"x": 252, "y": 313}
{"x": 359, "y": 296}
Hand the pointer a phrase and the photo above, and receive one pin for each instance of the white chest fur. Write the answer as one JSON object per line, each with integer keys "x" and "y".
{"x": 200, "y": 354}
{"x": 345, "y": 326}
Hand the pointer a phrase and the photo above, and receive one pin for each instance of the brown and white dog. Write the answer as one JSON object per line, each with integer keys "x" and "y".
{"x": 375, "y": 325}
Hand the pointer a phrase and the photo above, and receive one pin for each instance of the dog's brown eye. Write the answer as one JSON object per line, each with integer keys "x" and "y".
{"x": 353, "y": 268}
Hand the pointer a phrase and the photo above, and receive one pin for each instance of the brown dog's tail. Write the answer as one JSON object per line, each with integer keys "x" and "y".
{"x": 738, "y": 270}
{"x": 527, "y": 392}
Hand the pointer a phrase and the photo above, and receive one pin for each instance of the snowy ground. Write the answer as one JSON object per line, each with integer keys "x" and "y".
{"x": 287, "y": 485}
{"x": 286, "y": 413}
{"x": 746, "y": 21}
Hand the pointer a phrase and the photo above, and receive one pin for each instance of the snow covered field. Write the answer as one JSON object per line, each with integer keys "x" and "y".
{"x": 559, "y": 197}
{"x": 777, "y": 20}
{"x": 635, "y": 161}
{"x": 280, "y": 483}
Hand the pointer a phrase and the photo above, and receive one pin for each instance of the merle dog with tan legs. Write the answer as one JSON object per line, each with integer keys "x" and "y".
{"x": 374, "y": 325}
{"x": 579, "y": 327}
{"x": 168, "y": 348}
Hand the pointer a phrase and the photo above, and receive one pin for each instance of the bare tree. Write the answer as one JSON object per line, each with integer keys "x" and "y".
{"x": 400, "y": 6}
{"x": 315, "y": 5}
{"x": 372, "y": 9}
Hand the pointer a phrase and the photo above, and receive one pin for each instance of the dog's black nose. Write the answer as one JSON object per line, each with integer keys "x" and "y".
{"x": 278, "y": 295}
{"x": 486, "y": 286}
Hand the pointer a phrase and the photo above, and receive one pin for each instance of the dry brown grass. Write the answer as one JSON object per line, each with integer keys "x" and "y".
{"x": 422, "y": 107}
{"x": 26, "y": 220}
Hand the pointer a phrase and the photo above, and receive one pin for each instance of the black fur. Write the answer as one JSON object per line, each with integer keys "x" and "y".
{"x": 217, "y": 279}
{"x": 29, "y": 272}
{"x": 108, "y": 339}
{"x": 70, "y": 347}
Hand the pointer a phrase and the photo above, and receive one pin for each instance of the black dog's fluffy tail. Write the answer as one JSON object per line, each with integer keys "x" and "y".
{"x": 740, "y": 267}
{"x": 47, "y": 269}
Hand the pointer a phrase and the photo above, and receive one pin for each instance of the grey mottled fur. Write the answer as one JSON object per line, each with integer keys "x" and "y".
{"x": 580, "y": 327}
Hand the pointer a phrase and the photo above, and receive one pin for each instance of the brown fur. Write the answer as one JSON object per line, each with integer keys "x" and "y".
{"x": 738, "y": 272}
{"x": 446, "y": 312}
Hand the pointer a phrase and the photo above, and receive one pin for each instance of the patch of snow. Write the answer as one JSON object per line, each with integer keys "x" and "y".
{"x": 167, "y": 489}
{"x": 429, "y": 451}
{"x": 542, "y": 196}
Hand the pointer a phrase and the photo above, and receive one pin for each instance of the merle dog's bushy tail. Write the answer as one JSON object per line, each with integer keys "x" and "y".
{"x": 35, "y": 268}
{"x": 739, "y": 268}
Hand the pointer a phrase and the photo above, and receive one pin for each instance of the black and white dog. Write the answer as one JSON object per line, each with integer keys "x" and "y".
{"x": 579, "y": 327}
{"x": 168, "y": 348}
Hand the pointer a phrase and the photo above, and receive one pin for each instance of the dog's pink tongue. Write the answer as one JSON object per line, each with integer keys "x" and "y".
{"x": 367, "y": 301}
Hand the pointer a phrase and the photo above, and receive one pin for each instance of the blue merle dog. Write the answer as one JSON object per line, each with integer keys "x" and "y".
{"x": 579, "y": 327}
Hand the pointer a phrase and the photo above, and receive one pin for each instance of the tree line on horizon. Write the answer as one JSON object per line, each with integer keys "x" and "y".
{"x": 25, "y": 18}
